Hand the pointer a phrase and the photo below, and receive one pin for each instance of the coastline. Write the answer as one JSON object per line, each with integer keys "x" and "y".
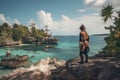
{"x": 65, "y": 50}
{"x": 97, "y": 68}
{"x": 100, "y": 34}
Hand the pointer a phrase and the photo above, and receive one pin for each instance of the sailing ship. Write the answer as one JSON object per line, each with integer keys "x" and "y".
{"x": 48, "y": 39}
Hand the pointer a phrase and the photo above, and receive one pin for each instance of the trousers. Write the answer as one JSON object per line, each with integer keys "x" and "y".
{"x": 84, "y": 52}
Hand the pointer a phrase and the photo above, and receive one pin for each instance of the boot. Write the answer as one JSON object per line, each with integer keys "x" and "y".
{"x": 86, "y": 58}
{"x": 81, "y": 62}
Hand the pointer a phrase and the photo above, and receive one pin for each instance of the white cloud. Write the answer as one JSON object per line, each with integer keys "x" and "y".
{"x": 65, "y": 18}
{"x": 8, "y": 20}
{"x": 45, "y": 18}
{"x": 2, "y": 18}
{"x": 101, "y": 3}
{"x": 66, "y": 26}
{"x": 94, "y": 24}
{"x": 96, "y": 14}
{"x": 82, "y": 10}
{"x": 16, "y": 21}
{"x": 70, "y": 26}
{"x": 31, "y": 21}
{"x": 95, "y": 3}
{"x": 115, "y": 3}
{"x": 88, "y": 1}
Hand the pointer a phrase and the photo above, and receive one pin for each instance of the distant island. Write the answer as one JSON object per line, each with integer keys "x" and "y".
{"x": 100, "y": 34}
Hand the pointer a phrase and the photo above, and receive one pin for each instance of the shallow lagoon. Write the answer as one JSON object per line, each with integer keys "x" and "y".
{"x": 67, "y": 48}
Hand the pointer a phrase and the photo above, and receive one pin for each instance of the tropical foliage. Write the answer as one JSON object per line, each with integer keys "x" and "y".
{"x": 5, "y": 32}
{"x": 19, "y": 32}
{"x": 113, "y": 40}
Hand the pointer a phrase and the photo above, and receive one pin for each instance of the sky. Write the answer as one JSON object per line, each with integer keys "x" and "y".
{"x": 63, "y": 17}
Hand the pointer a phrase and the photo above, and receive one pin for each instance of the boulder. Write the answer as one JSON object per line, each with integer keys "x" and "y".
{"x": 98, "y": 68}
{"x": 38, "y": 71}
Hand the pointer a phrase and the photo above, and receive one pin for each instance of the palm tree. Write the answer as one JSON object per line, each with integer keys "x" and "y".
{"x": 6, "y": 31}
{"x": 113, "y": 40}
{"x": 107, "y": 12}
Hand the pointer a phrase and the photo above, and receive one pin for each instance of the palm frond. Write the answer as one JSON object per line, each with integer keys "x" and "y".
{"x": 107, "y": 12}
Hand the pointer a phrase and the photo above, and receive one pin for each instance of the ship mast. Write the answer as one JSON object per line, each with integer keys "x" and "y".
{"x": 32, "y": 24}
{"x": 33, "y": 28}
{"x": 46, "y": 29}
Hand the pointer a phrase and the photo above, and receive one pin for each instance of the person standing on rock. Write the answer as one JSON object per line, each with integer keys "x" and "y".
{"x": 83, "y": 44}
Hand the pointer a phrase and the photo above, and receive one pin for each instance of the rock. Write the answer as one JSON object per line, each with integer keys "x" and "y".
{"x": 8, "y": 53}
{"x": 38, "y": 71}
{"x": 14, "y": 62}
{"x": 98, "y": 68}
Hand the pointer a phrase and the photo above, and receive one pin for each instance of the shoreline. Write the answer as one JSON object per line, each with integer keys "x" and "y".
{"x": 50, "y": 66}
{"x": 99, "y": 34}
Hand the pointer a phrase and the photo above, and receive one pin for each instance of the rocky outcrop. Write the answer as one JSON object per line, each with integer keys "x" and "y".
{"x": 38, "y": 71}
{"x": 98, "y": 68}
{"x": 14, "y": 62}
{"x": 9, "y": 43}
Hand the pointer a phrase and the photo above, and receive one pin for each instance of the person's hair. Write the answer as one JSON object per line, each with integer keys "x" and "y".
{"x": 82, "y": 27}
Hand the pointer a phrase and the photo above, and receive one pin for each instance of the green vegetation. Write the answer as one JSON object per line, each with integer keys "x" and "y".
{"x": 19, "y": 33}
{"x": 5, "y": 32}
{"x": 113, "y": 39}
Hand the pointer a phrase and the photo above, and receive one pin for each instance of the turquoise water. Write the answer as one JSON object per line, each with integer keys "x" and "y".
{"x": 67, "y": 48}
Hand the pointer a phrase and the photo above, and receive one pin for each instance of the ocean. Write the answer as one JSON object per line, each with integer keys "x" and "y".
{"x": 67, "y": 48}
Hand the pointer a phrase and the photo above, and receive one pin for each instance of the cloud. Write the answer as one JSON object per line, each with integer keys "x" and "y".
{"x": 45, "y": 18}
{"x": 93, "y": 23}
{"x": 115, "y": 3}
{"x": 65, "y": 18}
{"x": 88, "y": 1}
{"x": 82, "y": 10}
{"x": 66, "y": 26}
{"x": 96, "y": 14}
{"x": 70, "y": 26}
{"x": 2, "y": 18}
{"x": 8, "y": 20}
{"x": 61, "y": 27}
{"x": 95, "y": 3}
{"x": 31, "y": 21}
{"x": 16, "y": 21}
{"x": 101, "y": 3}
